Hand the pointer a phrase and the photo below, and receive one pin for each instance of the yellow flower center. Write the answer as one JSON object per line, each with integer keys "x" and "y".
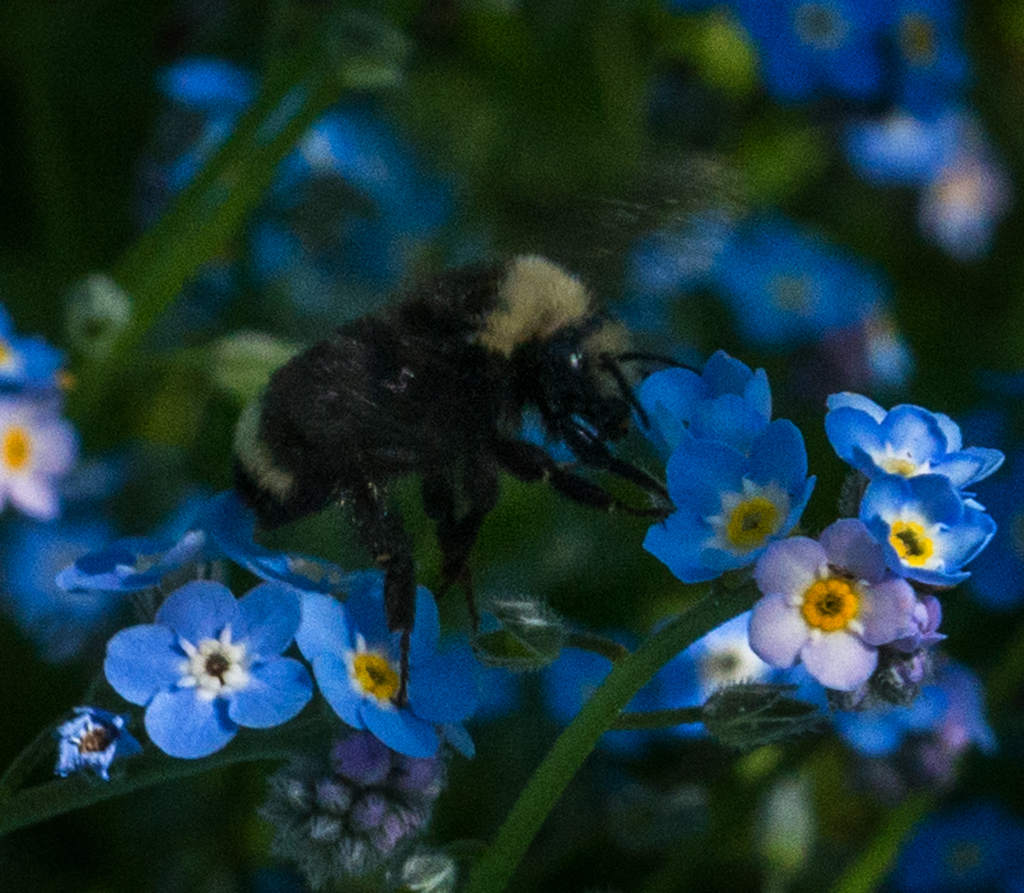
{"x": 792, "y": 294}
{"x": 375, "y": 676}
{"x": 910, "y": 542}
{"x": 830, "y": 604}
{"x": 16, "y": 448}
{"x": 5, "y": 353}
{"x": 752, "y": 522}
{"x": 917, "y": 38}
{"x": 818, "y": 26}
{"x": 895, "y": 465}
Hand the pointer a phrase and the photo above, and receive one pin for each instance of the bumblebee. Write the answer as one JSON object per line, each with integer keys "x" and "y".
{"x": 437, "y": 385}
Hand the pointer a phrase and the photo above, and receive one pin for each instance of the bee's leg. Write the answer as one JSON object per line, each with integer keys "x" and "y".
{"x": 529, "y": 462}
{"x": 458, "y": 510}
{"x": 383, "y": 533}
{"x": 594, "y": 452}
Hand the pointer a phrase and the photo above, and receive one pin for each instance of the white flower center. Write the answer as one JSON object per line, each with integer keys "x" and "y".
{"x": 893, "y": 461}
{"x": 215, "y": 667}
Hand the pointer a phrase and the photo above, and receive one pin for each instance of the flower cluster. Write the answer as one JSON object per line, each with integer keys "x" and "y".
{"x": 737, "y": 479}
{"x": 37, "y": 445}
{"x": 857, "y": 606}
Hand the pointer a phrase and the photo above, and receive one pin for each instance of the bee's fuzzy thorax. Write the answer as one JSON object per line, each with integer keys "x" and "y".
{"x": 536, "y": 298}
{"x": 255, "y": 457}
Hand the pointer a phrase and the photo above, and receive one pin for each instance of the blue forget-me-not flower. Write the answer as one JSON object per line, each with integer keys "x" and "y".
{"x": 210, "y": 664}
{"x": 357, "y": 664}
{"x": 92, "y": 740}
{"x": 223, "y": 527}
{"x": 738, "y": 485}
{"x": 813, "y": 48}
{"x": 905, "y": 441}
{"x": 927, "y": 530}
{"x": 829, "y": 604}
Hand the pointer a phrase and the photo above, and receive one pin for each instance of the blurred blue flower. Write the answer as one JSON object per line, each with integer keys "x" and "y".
{"x": 933, "y": 68}
{"x": 880, "y": 731}
{"x": 726, "y": 402}
{"x": 222, "y": 527}
{"x": 966, "y": 849}
{"x": 927, "y": 530}
{"x": 946, "y": 718}
{"x": 786, "y": 285}
{"x": 997, "y": 575}
{"x": 899, "y": 148}
{"x": 207, "y": 84}
{"x": 669, "y": 261}
{"x": 906, "y": 441}
{"x": 26, "y": 362}
{"x": 721, "y": 658}
{"x": 729, "y": 505}
{"x": 60, "y": 623}
{"x": 829, "y": 604}
{"x": 37, "y": 448}
{"x": 210, "y": 664}
{"x": 353, "y": 203}
{"x": 357, "y": 663}
{"x": 971, "y": 192}
{"x": 500, "y": 692}
{"x": 814, "y": 49}
{"x": 93, "y": 740}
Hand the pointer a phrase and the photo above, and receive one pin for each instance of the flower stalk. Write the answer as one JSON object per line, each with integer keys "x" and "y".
{"x": 494, "y": 871}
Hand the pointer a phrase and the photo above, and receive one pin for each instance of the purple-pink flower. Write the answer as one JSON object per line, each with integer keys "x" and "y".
{"x": 830, "y": 604}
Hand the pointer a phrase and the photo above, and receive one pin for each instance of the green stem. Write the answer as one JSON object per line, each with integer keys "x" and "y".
{"x": 870, "y": 869}
{"x": 493, "y": 872}
{"x": 597, "y": 645}
{"x": 659, "y": 719}
{"x": 349, "y": 52}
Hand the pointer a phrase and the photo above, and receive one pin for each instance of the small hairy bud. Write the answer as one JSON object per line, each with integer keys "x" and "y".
{"x": 98, "y": 311}
{"x": 427, "y": 871}
{"x": 530, "y": 636}
{"x": 752, "y": 714}
{"x": 354, "y": 811}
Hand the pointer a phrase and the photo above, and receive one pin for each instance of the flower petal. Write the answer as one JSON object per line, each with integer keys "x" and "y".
{"x": 271, "y": 613}
{"x": 142, "y": 660}
{"x": 324, "y": 627}
{"x": 332, "y": 677}
{"x": 777, "y": 631}
{"x": 839, "y": 660}
{"x": 888, "y": 611}
{"x": 443, "y": 689}
{"x": 278, "y": 689}
{"x": 849, "y": 545}
{"x": 402, "y": 731}
{"x": 184, "y": 725}
{"x": 199, "y": 610}
{"x": 789, "y": 566}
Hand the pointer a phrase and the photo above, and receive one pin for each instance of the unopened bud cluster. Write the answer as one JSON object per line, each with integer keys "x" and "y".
{"x": 354, "y": 812}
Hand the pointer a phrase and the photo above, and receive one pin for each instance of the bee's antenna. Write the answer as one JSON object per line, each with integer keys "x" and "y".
{"x": 610, "y": 363}
{"x": 639, "y": 356}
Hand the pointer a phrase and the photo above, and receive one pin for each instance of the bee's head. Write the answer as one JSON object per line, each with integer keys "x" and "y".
{"x": 579, "y": 381}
